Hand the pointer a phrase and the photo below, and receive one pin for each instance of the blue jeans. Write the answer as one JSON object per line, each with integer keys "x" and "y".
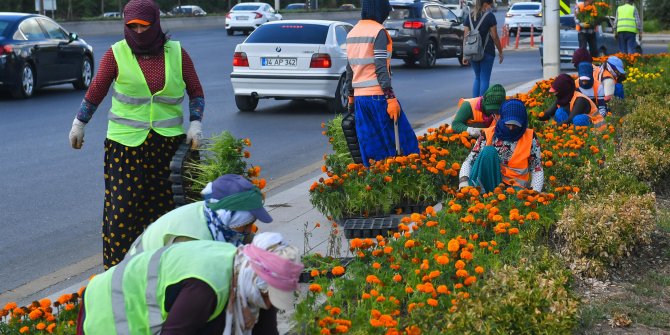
{"x": 627, "y": 42}
{"x": 482, "y": 70}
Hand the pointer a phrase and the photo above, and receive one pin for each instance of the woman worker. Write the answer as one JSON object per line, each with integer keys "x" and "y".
{"x": 572, "y": 107}
{"x": 477, "y": 113}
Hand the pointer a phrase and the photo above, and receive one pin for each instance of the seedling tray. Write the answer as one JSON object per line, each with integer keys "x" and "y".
{"x": 370, "y": 227}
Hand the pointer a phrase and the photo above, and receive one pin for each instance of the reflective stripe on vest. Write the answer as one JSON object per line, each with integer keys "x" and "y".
{"x": 626, "y": 19}
{"x": 134, "y": 109}
{"x": 129, "y": 298}
{"x": 516, "y": 172}
{"x": 361, "y": 57}
{"x": 477, "y": 120}
{"x": 597, "y": 120}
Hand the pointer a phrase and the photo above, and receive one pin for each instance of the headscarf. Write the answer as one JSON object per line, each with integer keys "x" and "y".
{"x": 377, "y": 10}
{"x": 564, "y": 86}
{"x": 512, "y": 111}
{"x": 581, "y": 55}
{"x": 493, "y": 98}
{"x": 266, "y": 263}
{"x": 585, "y": 73}
{"x": 150, "y": 41}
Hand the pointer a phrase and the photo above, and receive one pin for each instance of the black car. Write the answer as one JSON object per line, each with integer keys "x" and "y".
{"x": 424, "y": 31}
{"x": 36, "y": 52}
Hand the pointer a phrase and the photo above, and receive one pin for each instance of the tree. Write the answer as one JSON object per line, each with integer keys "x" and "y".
{"x": 659, "y": 10}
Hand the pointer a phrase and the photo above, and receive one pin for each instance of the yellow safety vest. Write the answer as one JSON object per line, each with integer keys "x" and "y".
{"x": 626, "y": 19}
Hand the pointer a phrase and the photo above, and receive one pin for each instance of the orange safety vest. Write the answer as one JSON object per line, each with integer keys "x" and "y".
{"x": 516, "y": 171}
{"x": 361, "y": 57}
{"x": 477, "y": 120}
{"x": 597, "y": 120}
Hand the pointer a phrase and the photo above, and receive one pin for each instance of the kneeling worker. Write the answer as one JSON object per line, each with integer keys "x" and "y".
{"x": 477, "y": 113}
{"x": 572, "y": 106}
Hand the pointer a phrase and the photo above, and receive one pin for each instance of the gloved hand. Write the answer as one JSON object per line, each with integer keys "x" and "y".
{"x": 463, "y": 184}
{"x": 77, "y": 134}
{"x": 350, "y": 107}
{"x": 194, "y": 134}
{"x": 474, "y": 132}
{"x": 393, "y": 108}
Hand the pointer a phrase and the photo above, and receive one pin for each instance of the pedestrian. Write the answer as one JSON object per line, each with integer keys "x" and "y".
{"x": 371, "y": 97}
{"x": 508, "y": 153}
{"x": 150, "y": 73}
{"x": 482, "y": 20}
{"x": 572, "y": 107}
{"x": 477, "y": 113}
{"x": 194, "y": 287}
{"x": 232, "y": 204}
{"x": 586, "y": 33}
{"x": 627, "y": 24}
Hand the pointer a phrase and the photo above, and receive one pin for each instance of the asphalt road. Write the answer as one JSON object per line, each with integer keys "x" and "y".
{"x": 51, "y": 195}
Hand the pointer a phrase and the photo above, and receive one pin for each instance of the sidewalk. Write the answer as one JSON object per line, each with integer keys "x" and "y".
{"x": 292, "y": 211}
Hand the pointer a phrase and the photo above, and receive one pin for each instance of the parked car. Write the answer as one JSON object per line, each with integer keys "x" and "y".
{"x": 524, "y": 15}
{"x": 35, "y": 52}
{"x": 347, "y": 6}
{"x": 248, "y": 16}
{"x": 605, "y": 40}
{"x": 293, "y": 59}
{"x": 424, "y": 31}
{"x": 112, "y": 14}
{"x": 187, "y": 10}
{"x": 296, "y": 6}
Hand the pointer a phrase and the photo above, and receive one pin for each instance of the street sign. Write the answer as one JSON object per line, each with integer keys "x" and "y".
{"x": 564, "y": 5}
{"x": 48, "y": 5}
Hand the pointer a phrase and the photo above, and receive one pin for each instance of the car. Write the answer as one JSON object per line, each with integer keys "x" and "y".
{"x": 605, "y": 40}
{"x": 187, "y": 10}
{"x": 347, "y": 6}
{"x": 112, "y": 14}
{"x": 296, "y": 6}
{"x": 424, "y": 31}
{"x": 523, "y": 16}
{"x": 247, "y": 16}
{"x": 292, "y": 59}
{"x": 35, "y": 51}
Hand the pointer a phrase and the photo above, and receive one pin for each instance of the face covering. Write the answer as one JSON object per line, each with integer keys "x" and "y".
{"x": 564, "y": 86}
{"x": 150, "y": 41}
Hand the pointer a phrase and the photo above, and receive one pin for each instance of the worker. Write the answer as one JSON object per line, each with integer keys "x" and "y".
{"x": 627, "y": 25}
{"x": 477, "y": 113}
{"x": 586, "y": 31}
{"x": 572, "y": 107}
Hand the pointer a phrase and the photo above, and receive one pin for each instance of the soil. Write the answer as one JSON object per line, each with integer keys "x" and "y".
{"x": 635, "y": 299}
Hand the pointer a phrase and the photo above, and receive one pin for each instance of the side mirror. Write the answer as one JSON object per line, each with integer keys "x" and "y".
{"x": 72, "y": 37}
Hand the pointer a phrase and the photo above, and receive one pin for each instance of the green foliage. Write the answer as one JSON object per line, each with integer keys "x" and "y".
{"x": 659, "y": 10}
{"x": 600, "y": 232}
{"x": 651, "y": 26}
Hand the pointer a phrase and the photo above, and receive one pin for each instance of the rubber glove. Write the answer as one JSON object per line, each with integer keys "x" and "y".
{"x": 194, "y": 134}
{"x": 474, "y": 132}
{"x": 351, "y": 105}
{"x": 393, "y": 108}
{"x": 77, "y": 134}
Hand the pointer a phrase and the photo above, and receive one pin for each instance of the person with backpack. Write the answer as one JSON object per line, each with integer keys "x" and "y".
{"x": 480, "y": 37}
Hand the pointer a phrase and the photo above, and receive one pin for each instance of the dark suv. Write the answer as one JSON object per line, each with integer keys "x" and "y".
{"x": 424, "y": 31}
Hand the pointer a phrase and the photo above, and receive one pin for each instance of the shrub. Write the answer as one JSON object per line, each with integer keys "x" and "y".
{"x": 605, "y": 230}
{"x": 660, "y": 10}
{"x": 651, "y": 26}
{"x": 528, "y": 298}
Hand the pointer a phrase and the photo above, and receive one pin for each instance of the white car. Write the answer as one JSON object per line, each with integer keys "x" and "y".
{"x": 293, "y": 59}
{"x": 524, "y": 15}
{"x": 248, "y": 16}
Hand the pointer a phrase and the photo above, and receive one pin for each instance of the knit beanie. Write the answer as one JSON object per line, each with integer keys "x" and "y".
{"x": 581, "y": 55}
{"x": 564, "y": 86}
{"x": 493, "y": 98}
{"x": 377, "y": 10}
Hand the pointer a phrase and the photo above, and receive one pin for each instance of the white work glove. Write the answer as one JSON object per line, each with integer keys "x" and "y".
{"x": 194, "y": 134}
{"x": 77, "y": 134}
{"x": 474, "y": 132}
{"x": 464, "y": 183}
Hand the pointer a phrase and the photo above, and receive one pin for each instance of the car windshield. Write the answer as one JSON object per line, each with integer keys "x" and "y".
{"x": 297, "y": 33}
{"x": 568, "y": 22}
{"x": 525, "y": 7}
{"x": 3, "y": 26}
{"x": 246, "y": 7}
{"x": 400, "y": 13}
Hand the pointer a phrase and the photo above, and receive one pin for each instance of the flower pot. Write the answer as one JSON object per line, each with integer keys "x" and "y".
{"x": 370, "y": 227}
{"x": 182, "y": 191}
{"x": 306, "y": 276}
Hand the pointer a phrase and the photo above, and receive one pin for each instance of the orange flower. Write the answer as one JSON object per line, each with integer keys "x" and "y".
{"x": 24, "y": 330}
{"x": 470, "y": 280}
{"x": 479, "y": 270}
{"x": 50, "y": 328}
{"x": 453, "y": 245}
{"x": 459, "y": 265}
{"x": 314, "y": 273}
{"x": 316, "y": 288}
{"x": 40, "y": 326}
{"x": 432, "y": 302}
{"x": 461, "y": 273}
{"x": 338, "y": 270}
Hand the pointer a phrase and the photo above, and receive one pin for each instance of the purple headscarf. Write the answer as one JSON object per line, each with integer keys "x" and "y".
{"x": 150, "y": 41}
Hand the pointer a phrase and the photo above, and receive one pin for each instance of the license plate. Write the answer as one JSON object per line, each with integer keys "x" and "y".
{"x": 279, "y": 62}
{"x": 242, "y": 18}
{"x": 566, "y": 52}
{"x": 392, "y": 32}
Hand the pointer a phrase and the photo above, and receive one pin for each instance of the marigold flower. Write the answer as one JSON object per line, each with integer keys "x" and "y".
{"x": 409, "y": 290}
{"x": 397, "y": 278}
{"x": 409, "y": 243}
{"x": 432, "y": 302}
{"x": 10, "y": 306}
{"x": 453, "y": 245}
{"x": 316, "y": 288}
{"x": 442, "y": 259}
{"x": 41, "y": 326}
{"x": 325, "y": 331}
{"x": 459, "y": 264}
{"x": 461, "y": 273}
{"x": 479, "y": 270}
{"x": 50, "y": 328}
{"x": 338, "y": 270}
{"x": 24, "y": 330}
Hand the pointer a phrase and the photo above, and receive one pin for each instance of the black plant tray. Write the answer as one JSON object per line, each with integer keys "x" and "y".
{"x": 408, "y": 208}
{"x": 181, "y": 186}
{"x": 306, "y": 276}
{"x": 370, "y": 227}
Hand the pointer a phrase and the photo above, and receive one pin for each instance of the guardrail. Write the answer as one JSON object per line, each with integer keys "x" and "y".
{"x": 115, "y": 27}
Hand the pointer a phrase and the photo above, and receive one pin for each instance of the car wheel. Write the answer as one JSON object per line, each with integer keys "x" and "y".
{"x": 429, "y": 55}
{"x": 86, "y": 76}
{"x": 246, "y": 103}
{"x": 341, "y": 101}
{"x": 409, "y": 61}
{"x": 27, "y": 87}
{"x": 230, "y": 32}
{"x": 602, "y": 52}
